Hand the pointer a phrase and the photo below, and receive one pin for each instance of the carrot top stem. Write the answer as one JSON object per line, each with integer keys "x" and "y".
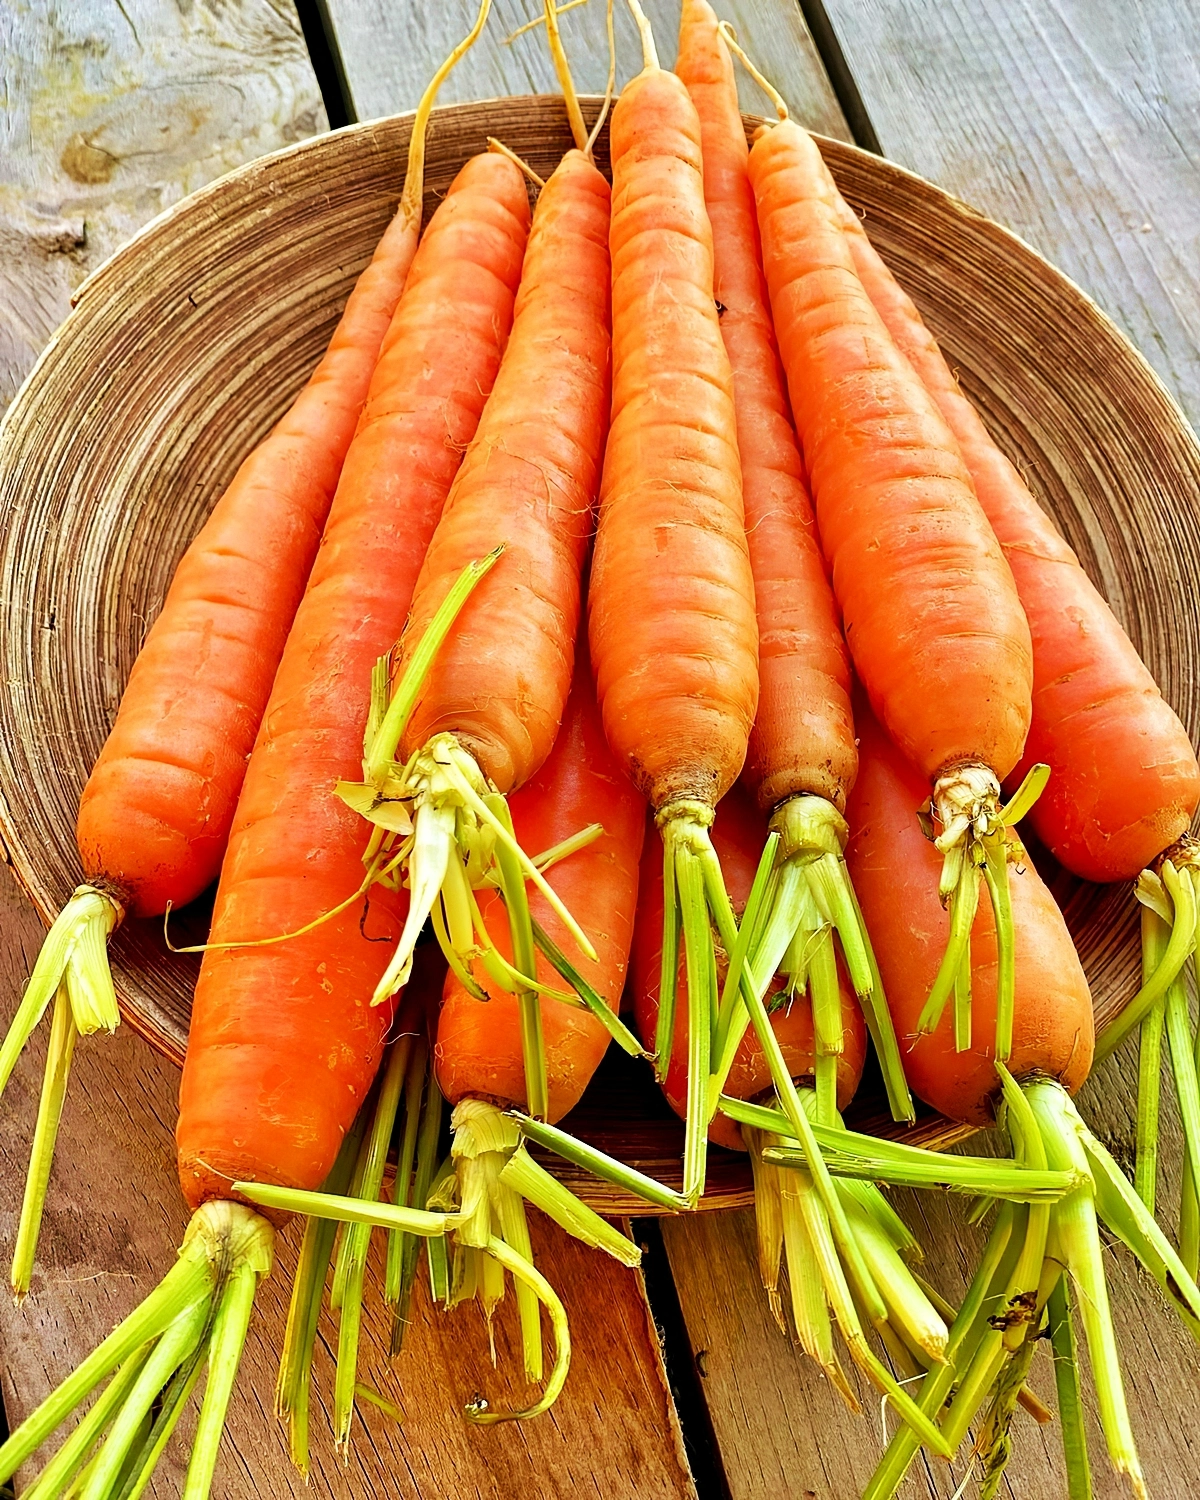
{"x": 197, "y": 1315}
{"x": 813, "y": 899}
{"x": 72, "y": 970}
{"x": 1179, "y": 908}
{"x": 1069, "y": 1389}
{"x": 293, "y": 1385}
{"x": 976, "y": 846}
{"x": 601, "y": 1165}
{"x": 1040, "y": 1243}
{"x": 828, "y": 1281}
{"x": 609, "y": 86}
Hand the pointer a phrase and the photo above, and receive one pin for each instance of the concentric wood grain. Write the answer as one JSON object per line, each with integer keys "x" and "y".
{"x": 187, "y": 345}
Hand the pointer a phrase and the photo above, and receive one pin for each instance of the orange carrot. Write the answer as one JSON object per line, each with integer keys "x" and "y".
{"x": 1124, "y": 780}
{"x": 895, "y": 874}
{"x": 295, "y": 851}
{"x": 156, "y": 812}
{"x": 1017, "y": 1289}
{"x": 284, "y": 1042}
{"x": 484, "y": 718}
{"x": 671, "y": 605}
{"x": 479, "y": 1050}
{"x": 932, "y": 617}
{"x": 802, "y": 756}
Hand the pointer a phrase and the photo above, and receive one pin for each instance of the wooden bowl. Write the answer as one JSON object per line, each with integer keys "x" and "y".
{"x": 189, "y": 343}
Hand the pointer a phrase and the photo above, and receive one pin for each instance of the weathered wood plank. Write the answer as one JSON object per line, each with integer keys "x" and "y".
{"x": 389, "y": 48}
{"x": 113, "y": 1221}
{"x": 112, "y": 110}
{"x": 1074, "y": 122}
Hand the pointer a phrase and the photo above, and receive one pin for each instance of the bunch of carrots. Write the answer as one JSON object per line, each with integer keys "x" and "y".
{"x": 631, "y": 602}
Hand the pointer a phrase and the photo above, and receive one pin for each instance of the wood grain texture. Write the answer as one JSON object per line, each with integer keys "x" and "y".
{"x": 1074, "y": 122}
{"x": 112, "y": 110}
{"x": 114, "y": 1219}
{"x": 389, "y": 47}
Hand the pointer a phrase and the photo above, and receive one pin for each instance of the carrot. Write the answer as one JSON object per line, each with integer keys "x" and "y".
{"x": 1124, "y": 781}
{"x": 478, "y": 1050}
{"x": 671, "y": 604}
{"x": 1009, "y": 1302}
{"x": 483, "y": 718}
{"x": 932, "y": 618}
{"x": 891, "y": 860}
{"x": 802, "y": 756}
{"x": 284, "y": 1043}
{"x": 155, "y": 815}
{"x": 790, "y": 1217}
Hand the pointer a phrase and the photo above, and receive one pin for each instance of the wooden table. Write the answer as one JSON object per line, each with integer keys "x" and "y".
{"x": 1073, "y": 121}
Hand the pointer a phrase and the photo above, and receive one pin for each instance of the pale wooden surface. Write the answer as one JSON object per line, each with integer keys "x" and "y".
{"x": 1074, "y": 122}
{"x": 389, "y": 47}
{"x": 114, "y": 1219}
{"x": 111, "y": 110}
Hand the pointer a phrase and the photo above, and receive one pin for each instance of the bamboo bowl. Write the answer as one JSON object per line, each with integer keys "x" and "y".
{"x": 187, "y": 345}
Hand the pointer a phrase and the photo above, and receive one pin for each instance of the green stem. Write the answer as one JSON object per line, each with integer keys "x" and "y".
{"x": 383, "y": 750}
{"x": 347, "y": 1210}
{"x": 520, "y": 926}
{"x": 177, "y": 1343}
{"x": 225, "y": 1354}
{"x": 963, "y": 1336}
{"x": 881, "y": 1027}
{"x": 1189, "y": 1205}
{"x": 350, "y": 1271}
{"x": 868, "y": 1157}
{"x": 995, "y": 873}
{"x": 603, "y": 1012}
{"x": 76, "y": 1448}
{"x": 1182, "y": 941}
{"x": 524, "y": 1176}
{"x": 423, "y": 1180}
{"x": 514, "y": 1231}
{"x": 963, "y": 905}
{"x": 414, "y": 1088}
{"x": 601, "y": 1165}
{"x": 63, "y": 1035}
{"x": 293, "y": 1384}
{"x": 702, "y": 1002}
{"x": 177, "y": 1291}
{"x": 1155, "y": 936}
{"x": 1070, "y": 1393}
{"x": 523, "y": 1270}
{"x": 1078, "y": 1236}
{"x": 668, "y": 980}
